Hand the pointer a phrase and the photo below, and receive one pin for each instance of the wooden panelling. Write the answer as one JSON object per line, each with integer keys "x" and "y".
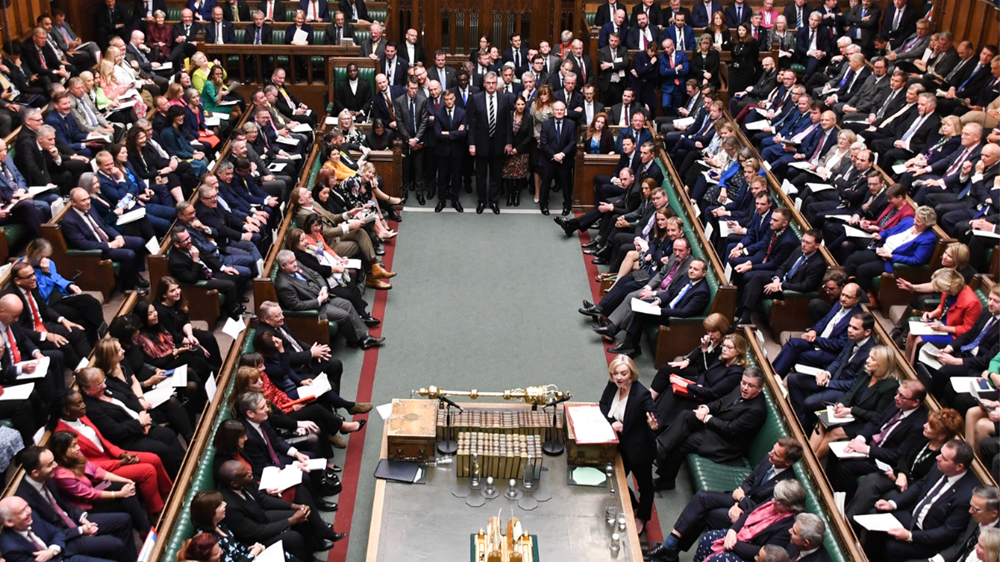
{"x": 969, "y": 20}
{"x": 21, "y": 16}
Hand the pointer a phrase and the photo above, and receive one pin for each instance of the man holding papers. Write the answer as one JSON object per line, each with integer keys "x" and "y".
{"x": 682, "y": 300}
{"x": 931, "y": 510}
{"x": 863, "y": 214}
{"x": 821, "y": 343}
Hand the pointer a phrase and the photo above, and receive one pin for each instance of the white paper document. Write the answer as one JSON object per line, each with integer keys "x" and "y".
{"x": 315, "y": 464}
{"x": 276, "y": 166}
{"x": 844, "y": 419}
{"x": 801, "y": 165}
{"x": 132, "y": 216}
{"x": 708, "y": 178}
{"x": 385, "y": 410}
{"x": 353, "y": 263}
{"x": 724, "y": 229}
{"x": 17, "y": 392}
{"x": 837, "y": 448}
{"x": 273, "y": 553}
{"x": 319, "y": 387}
{"x": 922, "y": 329}
{"x": 899, "y": 168}
{"x": 882, "y": 466}
{"x": 709, "y": 229}
{"x": 806, "y": 370}
{"x": 929, "y": 356}
{"x": 282, "y": 479}
{"x": 233, "y": 328}
{"x": 165, "y": 66}
{"x": 211, "y": 387}
{"x": 288, "y": 141}
{"x": 758, "y": 125}
{"x": 159, "y": 395}
{"x": 153, "y": 246}
{"x": 300, "y": 36}
{"x": 817, "y": 187}
{"x": 225, "y": 103}
{"x": 986, "y": 234}
{"x": 843, "y": 218}
{"x": 99, "y": 136}
{"x": 767, "y": 165}
{"x": 330, "y": 121}
{"x": 177, "y": 377}
{"x": 960, "y": 384}
{"x": 124, "y": 105}
{"x": 852, "y": 232}
{"x": 590, "y": 425}
{"x": 788, "y": 188}
{"x": 728, "y": 272}
{"x": 212, "y": 121}
{"x": 302, "y": 128}
{"x": 684, "y": 122}
{"x": 35, "y": 190}
{"x": 41, "y": 368}
{"x": 642, "y": 307}
{"x": 878, "y": 521}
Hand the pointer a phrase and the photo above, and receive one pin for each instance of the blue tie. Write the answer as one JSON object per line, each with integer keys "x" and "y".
{"x": 846, "y": 78}
{"x": 769, "y": 474}
{"x": 413, "y": 119}
{"x": 795, "y": 267}
{"x": 299, "y": 276}
{"x": 979, "y": 338}
{"x": 680, "y": 295}
{"x": 974, "y": 73}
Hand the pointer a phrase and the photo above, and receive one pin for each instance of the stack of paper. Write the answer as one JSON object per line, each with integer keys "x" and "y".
{"x": 878, "y": 522}
{"x": 837, "y": 448}
{"x": 589, "y": 424}
{"x": 806, "y": 370}
{"x": 132, "y": 216}
{"x": 852, "y": 232}
{"x": 838, "y": 419}
{"x": 41, "y": 368}
{"x": 281, "y": 479}
{"x": 642, "y": 307}
{"x": 918, "y": 328}
{"x": 17, "y": 392}
{"x": 320, "y": 386}
{"x": 817, "y": 187}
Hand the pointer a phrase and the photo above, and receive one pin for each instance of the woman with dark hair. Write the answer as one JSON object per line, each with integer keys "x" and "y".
{"x": 159, "y": 173}
{"x": 128, "y": 184}
{"x": 173, "y": 311}
{"x": 743, "y": 67}
{"x": 207, "y": 512}
{"x": 214, "y": 92}
{"x": 172, "y": 136}
{"x": 69, "y": 414}
{"x": 379, "y": 137}
{"x": 109, "y": 356}
{"x": 87, "y": 486}
{"x": 319, "y": 257}
{"x": 713, "y": 380}
{"x": 517, "y": 167}
{"x": 325, "y": 182}
{"x": 159, "y": 348}
{"x": 250, "y": 377}
{"x": 228, "y": 444}
{"x": 484, "y": 45}
{"x": 201, "y": 548}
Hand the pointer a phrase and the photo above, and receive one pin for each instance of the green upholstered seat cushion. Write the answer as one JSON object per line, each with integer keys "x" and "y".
{"x": 14, "y": 232}
{"x": 115, "y": 266}
{"x": 304, "y": 313}
{"x": 378, "y": 15}
{"x": 361, "y": 35}
{"x": 591, "y": 17}
{"x": 714, "y": 477}
{"x": 173, "y": 14}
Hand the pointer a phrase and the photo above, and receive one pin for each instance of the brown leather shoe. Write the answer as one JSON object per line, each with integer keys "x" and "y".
{"x": 374, "y": 283}
{"x": 360, "y": 408}
{"x": 380, "y": 272}
{"x": 338, "y": 441}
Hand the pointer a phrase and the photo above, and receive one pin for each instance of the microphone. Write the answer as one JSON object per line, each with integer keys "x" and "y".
{"x": 450, "y": 402}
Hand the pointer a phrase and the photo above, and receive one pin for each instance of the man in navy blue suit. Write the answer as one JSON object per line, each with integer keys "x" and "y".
{"x": 67, "y": 131}
{"x": 219, "y": 31}
{"x": 812, "y": 45}
{"x": 84, "y": 230}
{"x": 558, "y": 149}
{"x": 701, "y": 13}
{"x": 394, "y": 67}
{"x": 450, "y": 130}
{"x": 681, "y": 34}
{"x": 822, "y": 342}
{"x": 932, "y": 510}
{"x": 674, "y": 70}
{"x": 616, "y": 25}
{"x": 25, "y": 537}
{"x": 814, "y": 146}
{"x": 517, "y": 54}
{"x": 680, "y": 300}
{"x": 737, "y": 13}
{"x": 29, "y": 212}
{"x": 490, "y": 137}
{"x": 765, "y": 256}
{"x": 93, "y": 534}
{"x": 315, "y": 10}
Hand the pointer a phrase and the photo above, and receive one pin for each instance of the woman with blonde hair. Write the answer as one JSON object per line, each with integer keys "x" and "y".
{"x": 541, "y": 111}
{"x": 354, "y": 139}
{"x": 651, "y": 247}
{"x": 988, "y": 547}
{"x": 629, "y": 408}
{"x": 175, "y": 95}
{"x": 110, "y": 90}
{"x": 870, "y": 395}
{"x": 947, "y": 143}
{"x": 956, "y": 314}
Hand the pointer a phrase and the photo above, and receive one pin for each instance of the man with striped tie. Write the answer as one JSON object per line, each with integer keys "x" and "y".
{"x": 490, "y": 137}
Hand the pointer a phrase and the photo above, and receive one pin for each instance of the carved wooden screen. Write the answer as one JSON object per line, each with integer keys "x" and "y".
{"x": 457, "y": 25}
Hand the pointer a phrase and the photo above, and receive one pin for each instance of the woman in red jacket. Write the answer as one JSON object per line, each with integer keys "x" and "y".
{"x": 145, "y": 469}
{"x": 958, "y": 311}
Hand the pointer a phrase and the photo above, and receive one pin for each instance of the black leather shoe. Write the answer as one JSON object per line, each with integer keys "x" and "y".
{"x": 440, "y": 206}
{"x": 517, "y": 198}
{"x": 395, "y": 216}
{"x": 600, "y": 261}
{"x": 468, "y": 188}
{"x": 338, "y": 536}
{"x": 625, "y": 349}
{"x": 661, "y": 484}
{"x": 545, "y": 210}
{"x": 662, "y": 554}
{"x": 587, "y": 304}
{"x": 592, "y": 312}
{"x": 420, "y": 199}
{"x": 608, "y": 330}
{"x": 596, "y": 225}
{"x": 496, "y": 208}
{"x": 570, "y": 227}
{"x": 370, "y": 342}
{"x": 458, "y": 207}
{"x": 566, "y": 210}
{"x": 371, "y": 322}
{"x": 591, "y": 251}
{"x": 593, "y": 243}
{"x": 560, "y": 220}
{"x": 240, "y": 311}
{"x": 142, "y": 283}
{"x": 335, "y": 469}
{"x": 327, "y": 506}
{"x": 479, "y": 208}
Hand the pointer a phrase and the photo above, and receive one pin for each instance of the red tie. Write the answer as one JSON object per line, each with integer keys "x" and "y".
{"x": 13, "y": 346}
{"x": 41, "y": 57}
{"x": 270, "y": 10}
{"x": 55, "y": 505}
{"x": 770, "y": 245}
{"x": 37, "y": 541}
{"x": 39, "y": 327}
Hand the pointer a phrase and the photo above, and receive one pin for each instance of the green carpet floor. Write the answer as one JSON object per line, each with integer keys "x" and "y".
{"x": 486, "y": 302}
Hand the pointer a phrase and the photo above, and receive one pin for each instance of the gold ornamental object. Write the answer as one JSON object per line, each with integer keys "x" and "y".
{"x": 537, "y": 395}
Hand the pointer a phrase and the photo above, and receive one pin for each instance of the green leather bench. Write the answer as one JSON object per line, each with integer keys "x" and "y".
{"x": 378, "y": 15}
{"x": 590, "y": 17}
{"x": 340, "y": 74}
{"x": 174, "y": 14}
{"x": 202, "y": 478}
{"x": 713, "y": 477}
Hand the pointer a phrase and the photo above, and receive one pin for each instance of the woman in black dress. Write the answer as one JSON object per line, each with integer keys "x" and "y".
{"x": 705, "y": 63}
{"x": 743, "y": 68}
{"x": 629, "y": 408}
{"x": 517, "y": 168}
{"x": 716, "y": 379}
{"x": 173, "y": 310}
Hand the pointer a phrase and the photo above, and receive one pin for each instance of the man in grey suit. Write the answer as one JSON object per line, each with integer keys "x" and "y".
{"x": 83, "y": 110}
{"x": 672, "y": 271}
{"x": 872, "y": 89}
{"x": 411, "y": 116}
{"x": 304, "y": 289}
{"x": 985, "y": 510}
{"x": 913, "y": 47}
{"x": 374, "y": 46}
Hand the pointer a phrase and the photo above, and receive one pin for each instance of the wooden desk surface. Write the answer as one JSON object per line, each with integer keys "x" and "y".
{"x": 410, "y": 518}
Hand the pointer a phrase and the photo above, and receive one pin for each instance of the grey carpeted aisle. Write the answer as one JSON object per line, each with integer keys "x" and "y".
{"x": 486, "y": 302}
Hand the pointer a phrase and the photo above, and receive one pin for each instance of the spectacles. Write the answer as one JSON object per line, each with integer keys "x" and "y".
{"x": 29, "y": 276}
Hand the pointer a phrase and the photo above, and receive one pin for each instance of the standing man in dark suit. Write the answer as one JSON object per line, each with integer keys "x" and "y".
{"x": 91, "y": 534}
{"x": 606, "y": 12}
{"x": 235, "y": 10}
{"x": 392, "y": 66}
{"x": 617, "y": 25}
{"x": 315, "y": 10}
{"x": 109, "y": 20}
{"x": 445, "y": 75}
{"x": 337, "y": 31}
{"x": 863, "y": 21}
{"x": 612, "y": 61}
{"x": 355, "y": 11}
{"x": 259, "y": 33}
{"x": 489, "y": 118}
{"x": 672, "y": 10}
{"x": 720, "y": 431}
{"x": 583, "y": 66}
{"x": 557, "y": 144}
{"x": 382, "y": 107}
{"x": 801, "y": 272}
{"x": 516, "y": 53}
{"x": 931, "y": 510}
{"x": 718, "y": 510}
{"x": 900, "y": 22}
{"x": 797, "y": 14}
{"x": 411, "y": 126}
{"x": 651, "y": 10}
{"x": 412, "y": 51}
{"x": 353, "y": 94}
{"x": 451, "y": 132}
{"x": 185, "y": 33}
{"x": 736, "y": 13}
{"x": 701, "y": 13}
{"x": 273, "y": 10}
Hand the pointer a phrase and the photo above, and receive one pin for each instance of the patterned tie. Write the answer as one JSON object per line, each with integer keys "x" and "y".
{"x": 918, "y": 521}
{"x": 770, "y": 246}
{"x": 975, "y": 343}
{"x": 270, "y": 449}
{"x": 93, "y": 224}
{"x": 70, "y": 524}
{"x": 979, "y": 67}
{"x": 291, "y": 340}
{"x": 887, "y": 427}
{"x": 492, "y": 115}
{"x": 670, "y": 276}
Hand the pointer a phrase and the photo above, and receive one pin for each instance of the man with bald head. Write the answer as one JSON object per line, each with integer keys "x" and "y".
{"x": 27, "y": 538}
{"x": 958, "y": 209}
{"x": 85, "y": 230}
{"x": 20, "y": 351}
{"x": 558, "y": 147}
